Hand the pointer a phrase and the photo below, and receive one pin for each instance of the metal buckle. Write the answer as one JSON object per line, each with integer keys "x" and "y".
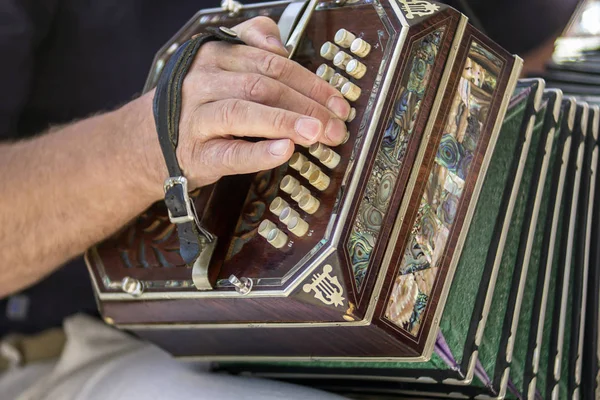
{"x": 190, "y": 215}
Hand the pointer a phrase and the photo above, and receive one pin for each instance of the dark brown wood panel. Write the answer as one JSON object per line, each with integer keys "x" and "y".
{"x": 214, "y": 310}
{"x": 448, "y": 19}
{"x": 367, "y": 341}
{"x": 470, "y": 35}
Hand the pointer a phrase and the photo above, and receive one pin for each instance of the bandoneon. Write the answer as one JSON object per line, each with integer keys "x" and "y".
{"x": 443, "y": 250}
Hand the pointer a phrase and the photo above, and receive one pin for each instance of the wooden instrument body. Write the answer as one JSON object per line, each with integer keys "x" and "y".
{"x": 336, "y": 292}
{"x": 494, "y": 358}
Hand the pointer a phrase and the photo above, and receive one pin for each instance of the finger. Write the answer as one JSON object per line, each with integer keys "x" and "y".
{"x": 261, "y": 89}
{"x": 233, "y": 157}
{"x": 290, "y": 73}
{"x": 261, "y": 32}
{"x": 242, "y": 118}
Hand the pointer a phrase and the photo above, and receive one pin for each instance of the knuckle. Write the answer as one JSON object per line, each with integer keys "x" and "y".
{"x": 230, "y": 111}
{"x": 312, "y": 110}
{"x": 208, "y": 54}
{"x": 255, "y": 87}
{"x": 262, "y": 22}
{"x": 279, "y": 121}
{"x": 197, "y": 151}
{"x": 274, "y": 66}
{"x": 233, "y": 155}
{"x": 317, "y": 89}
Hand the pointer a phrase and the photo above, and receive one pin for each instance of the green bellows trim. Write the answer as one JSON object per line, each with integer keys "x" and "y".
{"x": 463, "y": 293}
{"x": 548, "y": 325}
{"x": 490, "y": 346}
{"x": 533, "y": 274}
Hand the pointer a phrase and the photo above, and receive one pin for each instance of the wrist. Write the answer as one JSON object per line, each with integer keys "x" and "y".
{"x": 144, "y": 156}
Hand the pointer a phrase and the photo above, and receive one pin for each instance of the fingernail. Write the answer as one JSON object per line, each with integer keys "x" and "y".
{"x": 279, "y": 147}
{"x": 339, "y": 107}
{"x": 274, "y": 41}
{"x": 336, "y": 130}
{"x": 308, "y": 128}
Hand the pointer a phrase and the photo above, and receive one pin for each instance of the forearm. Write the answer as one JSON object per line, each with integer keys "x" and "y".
{"x": 66, "y": 190}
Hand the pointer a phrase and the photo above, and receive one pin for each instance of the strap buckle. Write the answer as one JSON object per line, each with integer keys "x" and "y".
{"x": 178, "y": 214}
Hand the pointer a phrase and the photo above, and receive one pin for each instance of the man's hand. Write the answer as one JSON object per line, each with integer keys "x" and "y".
{"x": 72, "y": 187}
{"x": 236, "y": 91}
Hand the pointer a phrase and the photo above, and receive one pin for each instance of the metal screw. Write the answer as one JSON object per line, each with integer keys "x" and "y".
{"x": 242, "y": 286}
{"x": 132, "y": 286}
{"x": 227, "y": 31}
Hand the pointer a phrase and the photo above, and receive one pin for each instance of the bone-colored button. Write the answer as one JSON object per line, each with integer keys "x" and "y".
{"x": 329, "y": 50}
{"x": 319, "y": 180}
{"x": 337, "y": 81}
{"x": 351, "y": 116}
{"x": 265, "y": 227}
{"x": 346, "y": 137}
{"x": 360, "y": 47}
{"x": 287, "y": 214}
{"x": 299, "y": 192}
{"x": 325, "y": 72}
{"x": 330, "y": 158}
{"x": 277, "y": 205}
{"x": 344, "y": 38}
{"x": 307, "y": 169}
{"x": 288, "y": 184}
{"x": 309, "y": 204}
{"x": 298, "y": 226}
{"x": 277, "y": 238}
{"x": 316, "y": 149}
{"x": 297, "y": 160}
{"x": 341, "y": 59}
{"x": 350, "y": 91}
{"x": 356, "y": 69}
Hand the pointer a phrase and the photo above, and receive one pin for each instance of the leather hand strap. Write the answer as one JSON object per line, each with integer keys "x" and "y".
{"x": 167, "y": 112}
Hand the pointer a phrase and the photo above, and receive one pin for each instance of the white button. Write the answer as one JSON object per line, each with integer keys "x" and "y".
{"x": 277, "y": 238}
{"x": 346, "y": 138}
{"x": 288, "y": 184}
{"x": 287, "y": 214}
{"x": 344, "y": 38}
{"x": 319, "y": 180}
{"x": 325, "y": 72}
{"x": 265, "y": 227}
{"x": 360, "y": 47}
{"x": 350, "y": 91}
{"x": 329, "y": 50}
{"x": 299, "y": 192}
{"x": 341, "y": 59}
{"x": 330, "y": 158}
{"x": 277, "y": 205}
{"x": 337, "y": 81}
{"x": 356, "y": 69}
{"x": 352, "y": 115}
{"x": 298, "y": 226}
{"x": 309, "y": 204}
{"x": 316, "y": 149}
{"x": 297, "y": 160}
{"x": 307, "y": 169}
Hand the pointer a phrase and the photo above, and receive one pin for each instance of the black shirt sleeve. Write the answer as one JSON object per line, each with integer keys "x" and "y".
{"x": 23, "y": 26}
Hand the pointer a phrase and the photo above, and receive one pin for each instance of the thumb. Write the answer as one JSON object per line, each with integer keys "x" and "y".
{"x": 261, "y": 32}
